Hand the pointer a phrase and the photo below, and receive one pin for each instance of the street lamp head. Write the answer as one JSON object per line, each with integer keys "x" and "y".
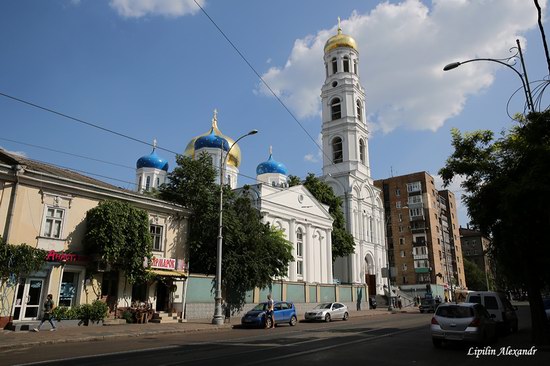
{"x": 253, "y": 132}
{"x": 451, "y": 66}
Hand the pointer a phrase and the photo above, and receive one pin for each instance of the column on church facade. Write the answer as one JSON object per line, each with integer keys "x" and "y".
{"x": 292, "y": 270}
{"x": 328, "y": 249}
{"x": 309, "y": 254}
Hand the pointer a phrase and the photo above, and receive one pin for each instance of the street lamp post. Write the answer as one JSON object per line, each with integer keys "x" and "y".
{"x": 504, "y": 61}
{"x": 218, "y": 317}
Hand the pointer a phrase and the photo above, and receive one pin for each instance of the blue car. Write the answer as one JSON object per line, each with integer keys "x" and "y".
{"x": 284, "y": 312}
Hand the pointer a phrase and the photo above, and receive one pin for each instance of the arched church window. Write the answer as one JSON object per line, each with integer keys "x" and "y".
{"x": 359, "y": 108}
{"x": 140, "y": 182}
{"x": 337, "y": 151}
{"x": 336, "y": 109}
{"x": 326, "y": 70}
{"x": 362, "y": 150}
{"x": 355, "y": 67}
{"x": 158, "y": 182}
{"x": 334, "y": 65}
{"x": 147, "y": 183}
{"x": 299, "y": 252}
{"x": 346, "y": 64}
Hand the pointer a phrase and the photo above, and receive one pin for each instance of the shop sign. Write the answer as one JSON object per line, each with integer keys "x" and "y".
{"x": 53, "y": 256}
{"x": 164, "y": 263}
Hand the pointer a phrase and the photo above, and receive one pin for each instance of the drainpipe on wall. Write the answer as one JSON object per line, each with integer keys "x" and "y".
{"x": 11, "y": 209}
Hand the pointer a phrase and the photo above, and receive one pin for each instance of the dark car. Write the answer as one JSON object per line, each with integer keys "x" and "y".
{"x": 283, "y": 311}
{"x": 372, "y": 302}
{"x": 427, "y": 305}
{"x": 465, "y": 322}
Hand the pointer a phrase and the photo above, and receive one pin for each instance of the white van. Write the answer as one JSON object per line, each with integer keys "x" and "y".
{"x": 498, "y": 306}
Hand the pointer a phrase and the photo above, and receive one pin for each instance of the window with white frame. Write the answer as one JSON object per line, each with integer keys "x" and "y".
{"x": 398, "y": 204}
{"x": 415, "y": 199}
{"x": 300, "y": 252}
{"x": 414, "y": 187}
{"x": 299, "y": 243}
{"x": 415, "y": 212}
{"x": 402, "y": 254}
{"x": 401, "y": 241}
{"x": 53, "y": 222}
{"x": 404, "y": 266}
{"x": 300, "y": 268}
{"x": 156, "y": 234}
{"x": 337, "y": 150}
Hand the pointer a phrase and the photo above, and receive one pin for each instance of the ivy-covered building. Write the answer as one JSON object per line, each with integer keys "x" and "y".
{"x": 45, "y": 207}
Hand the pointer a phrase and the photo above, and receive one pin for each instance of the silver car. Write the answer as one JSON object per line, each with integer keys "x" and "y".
{"x": 328, "y": 311}
{"x": 466, "y": 322}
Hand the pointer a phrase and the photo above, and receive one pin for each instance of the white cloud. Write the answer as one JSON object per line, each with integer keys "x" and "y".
{"x": 403, "y": 48}
{"x": 167, "y": 8}
{"x": 14, "y": 152}
{"x": 311, "y": 158}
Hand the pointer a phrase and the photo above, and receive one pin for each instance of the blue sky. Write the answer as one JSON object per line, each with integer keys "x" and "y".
{"x": 158, "y": 68}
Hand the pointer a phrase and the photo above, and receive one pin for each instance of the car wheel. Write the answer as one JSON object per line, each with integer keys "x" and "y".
{"x": 437, "y": 342}
{"x": 293, "y": 321}
{"x": 327, "y": 318}
{"x": 346, "y": 316}
{"x": 268, "y": 322}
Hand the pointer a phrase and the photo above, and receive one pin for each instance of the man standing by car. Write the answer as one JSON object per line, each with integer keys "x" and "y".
{"x": 270, "y": 308}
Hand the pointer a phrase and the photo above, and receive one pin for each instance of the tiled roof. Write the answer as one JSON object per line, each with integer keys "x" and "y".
{"x": 14, "y": 159}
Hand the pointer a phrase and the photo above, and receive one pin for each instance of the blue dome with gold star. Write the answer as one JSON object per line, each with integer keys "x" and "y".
{"x": 271, "y": 166}
{"x": 152, "y": 161}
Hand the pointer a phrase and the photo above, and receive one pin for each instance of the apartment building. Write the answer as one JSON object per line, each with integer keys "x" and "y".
{"x": 475, "y": 247}
{"x": 422, "y": 233}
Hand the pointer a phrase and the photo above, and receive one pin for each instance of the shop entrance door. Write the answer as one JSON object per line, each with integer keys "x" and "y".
{"x": 27, "y": 301}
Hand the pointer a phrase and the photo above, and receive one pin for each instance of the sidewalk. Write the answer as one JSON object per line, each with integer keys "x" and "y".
{"x": 10, "y": 339}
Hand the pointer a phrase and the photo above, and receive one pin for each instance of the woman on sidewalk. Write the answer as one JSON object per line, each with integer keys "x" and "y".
{"x": 48, "y": 308}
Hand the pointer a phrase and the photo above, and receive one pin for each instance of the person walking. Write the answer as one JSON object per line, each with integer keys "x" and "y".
{"x": 48, "y": 308}
{"x": 270, "y": 310}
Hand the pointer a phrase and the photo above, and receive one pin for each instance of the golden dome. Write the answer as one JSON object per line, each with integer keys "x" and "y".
{"x": 340, "y": 40}
{"x": 234, "y": 158}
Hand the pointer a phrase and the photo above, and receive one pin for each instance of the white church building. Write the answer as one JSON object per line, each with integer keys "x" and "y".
{"x": 306, "y": 222}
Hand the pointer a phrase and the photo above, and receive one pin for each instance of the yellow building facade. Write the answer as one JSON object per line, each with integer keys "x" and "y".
{"x": 45, "y": 207}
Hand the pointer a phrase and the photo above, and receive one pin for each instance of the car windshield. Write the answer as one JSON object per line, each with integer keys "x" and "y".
{"x": 427, "y": 301}
{"x": 260, "y": 307}
{"x": 324, "y": 306}
{"x": 455, "y": 312}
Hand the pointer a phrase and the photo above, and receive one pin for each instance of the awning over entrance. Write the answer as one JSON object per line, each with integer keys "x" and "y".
{"x": 168, "y": 273}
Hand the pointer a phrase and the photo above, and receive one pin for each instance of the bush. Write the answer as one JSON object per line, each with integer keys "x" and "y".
{"x": 128, "y": 316}
{"x": 94, "y": 312}
{"x": 66, "y": 313}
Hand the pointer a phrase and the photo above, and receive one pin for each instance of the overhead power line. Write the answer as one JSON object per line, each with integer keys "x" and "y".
{"x": 82, "y": 121}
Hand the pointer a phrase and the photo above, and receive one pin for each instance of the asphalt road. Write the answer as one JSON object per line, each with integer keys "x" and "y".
{"x": 397, "y": 339}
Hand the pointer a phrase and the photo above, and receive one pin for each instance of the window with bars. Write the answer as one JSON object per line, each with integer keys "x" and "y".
{"x": 156, "y": 234}
{"x": 53, "y": 224}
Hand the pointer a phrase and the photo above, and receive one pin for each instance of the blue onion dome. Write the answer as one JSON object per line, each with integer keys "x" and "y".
{"x": 271, "y": 166}
{"x": 152, "y": 161}
{"x": 211, "y": 140}
{"x": 235, "y": 153}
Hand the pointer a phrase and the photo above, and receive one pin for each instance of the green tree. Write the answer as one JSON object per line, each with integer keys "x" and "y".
{"x": 253, "y": 252}
{"x": 119, "y": 234}
{"x": 507, "y": 185}
{"x": 475, "y": 277}
{"x": 342, "y": 241}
